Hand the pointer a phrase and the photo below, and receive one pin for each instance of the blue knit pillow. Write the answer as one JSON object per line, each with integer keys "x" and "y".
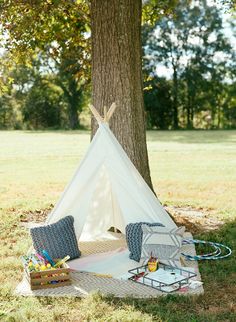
{"x": 58, "y": 239}
{"x": 134, "y": 237}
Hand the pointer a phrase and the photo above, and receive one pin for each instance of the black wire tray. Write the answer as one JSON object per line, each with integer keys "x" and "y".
{"x": 166, "y": 279}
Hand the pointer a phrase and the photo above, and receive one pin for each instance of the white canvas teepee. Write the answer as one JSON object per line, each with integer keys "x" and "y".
{"x": 107, "y": 190}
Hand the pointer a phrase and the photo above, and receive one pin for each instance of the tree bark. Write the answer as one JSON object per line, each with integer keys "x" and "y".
{"x": 117, "y": 74}
{"x": 190, "y": 113}
{"x": 72, "y": 94}
{"x": 73, "y": 114}
{"x": 175, "y": 100}
{"x": 218, "y": 113}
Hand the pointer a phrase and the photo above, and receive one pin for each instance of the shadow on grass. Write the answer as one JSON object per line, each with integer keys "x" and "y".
{"x": 59, "y": 131}
{"x": 189, "y": 137}
{"x": 219, "y": 300}
{"x": 193, "y": 137}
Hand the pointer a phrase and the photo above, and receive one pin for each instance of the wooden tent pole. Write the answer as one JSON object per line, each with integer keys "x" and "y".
{"x": 107, "y": 114}
{"x": 111, "y": 111}
{"x": 96, "y": 114}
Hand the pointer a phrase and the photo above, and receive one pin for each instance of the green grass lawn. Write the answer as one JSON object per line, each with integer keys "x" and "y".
{"x": 196, "y": 168}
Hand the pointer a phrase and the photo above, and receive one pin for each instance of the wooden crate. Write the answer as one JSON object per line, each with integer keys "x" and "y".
{"x": 59, "y": 277}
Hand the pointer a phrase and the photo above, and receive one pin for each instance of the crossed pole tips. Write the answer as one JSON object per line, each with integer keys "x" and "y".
{"x": 107, "y": 114}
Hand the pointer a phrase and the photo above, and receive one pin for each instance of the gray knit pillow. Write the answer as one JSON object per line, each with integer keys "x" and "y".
{"x": 58, "y": 239}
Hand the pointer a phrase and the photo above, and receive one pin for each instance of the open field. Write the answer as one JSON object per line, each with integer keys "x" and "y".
{"x": 196, "y": 169}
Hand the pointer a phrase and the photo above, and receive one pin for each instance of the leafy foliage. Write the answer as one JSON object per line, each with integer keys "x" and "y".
{"x": 193, "y": 48}
{"x": 56, "y": 27}
{"x": 184, "y": 37}
{"x": 158, "y": 103}
{"x": 55, "y": 34}
{"x": 43, "y": 105}
{"x": 153, "y": 10}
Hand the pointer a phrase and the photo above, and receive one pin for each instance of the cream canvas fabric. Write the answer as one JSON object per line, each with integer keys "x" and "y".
{"x": 107, "y": 191}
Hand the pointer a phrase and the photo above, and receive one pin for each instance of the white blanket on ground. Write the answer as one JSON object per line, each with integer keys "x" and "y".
{"x": 115, "y": 263}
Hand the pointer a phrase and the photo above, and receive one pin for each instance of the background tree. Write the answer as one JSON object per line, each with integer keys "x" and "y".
{"x": 8, "y": 105}
{"x": 158, "y": 102}
{"x": 55, "y": 31}
{"x": 69, "y": 76}
{"x": 116, "y": 54}
{"x": 193, "y": 47}
{"x": 36, "y": 89}
{"x": 42, "y": 108}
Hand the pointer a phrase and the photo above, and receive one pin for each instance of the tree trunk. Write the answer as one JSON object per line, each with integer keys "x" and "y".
{"x": 175, "y": 101}
{"x": 117, "y": 74}
{"x": 189, "y": 125}
{"x": 192, "y": 112}
{"x": 72, "y": 95}
{"x": 218, "y": 113}
{"x": 73, "y": 114}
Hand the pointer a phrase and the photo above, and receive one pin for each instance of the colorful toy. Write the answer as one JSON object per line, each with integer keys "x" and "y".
{"x": 213, "y": 255}
{"x": 40, "y": 257}
{"x": 31, "y": 267}
{"x": 153, "y": 264}
{"x": 34, "y": 259}
{"x": 41, "y": 274}
{"x": 48, "y": 257}
{"x": 36, "y": 263}
{"x": 37, "y": 267}
{"x": 62, "y": 261}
